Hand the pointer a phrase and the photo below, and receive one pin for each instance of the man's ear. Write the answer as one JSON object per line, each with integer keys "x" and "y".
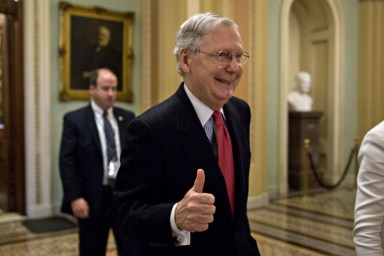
{"x": 184, "y": 60}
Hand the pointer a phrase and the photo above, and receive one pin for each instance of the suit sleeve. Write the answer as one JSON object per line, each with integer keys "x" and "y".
{"x": 369, "y": 205}
{"x": 68, "y": 149}
{"x": 138, "y": 208}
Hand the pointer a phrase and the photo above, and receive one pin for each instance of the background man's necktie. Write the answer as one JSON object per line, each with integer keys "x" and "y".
{"x": 225, "y": 156}
{"x": 110, "y": 139}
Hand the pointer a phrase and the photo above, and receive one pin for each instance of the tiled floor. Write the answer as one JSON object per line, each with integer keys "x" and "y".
{"x": 320, "y": 224}
{"x": 17, "y": 240}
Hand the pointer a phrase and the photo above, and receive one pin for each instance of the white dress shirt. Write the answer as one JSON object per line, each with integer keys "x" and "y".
{"x": 368, "y": 233}
{"x": 100, "y": 127}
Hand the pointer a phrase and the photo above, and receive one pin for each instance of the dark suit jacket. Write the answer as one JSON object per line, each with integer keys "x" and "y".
{"x": 163, "y": 149}
{"x": 81, "y": 158}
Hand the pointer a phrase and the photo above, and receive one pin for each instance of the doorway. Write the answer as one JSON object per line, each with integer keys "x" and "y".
{"x": 12, "y": 141}
{"x": 312, "y": 40}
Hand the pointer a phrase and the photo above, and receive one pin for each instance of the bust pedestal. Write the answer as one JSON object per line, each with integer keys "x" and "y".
{"x": 302, "y": 125}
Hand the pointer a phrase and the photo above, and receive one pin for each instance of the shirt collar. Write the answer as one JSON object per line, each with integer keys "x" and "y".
{"x": 98, "y": 111}
{"x": 203, "y": 111}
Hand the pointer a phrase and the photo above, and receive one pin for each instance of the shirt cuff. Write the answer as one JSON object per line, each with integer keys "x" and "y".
{"x": 181, "y": 237}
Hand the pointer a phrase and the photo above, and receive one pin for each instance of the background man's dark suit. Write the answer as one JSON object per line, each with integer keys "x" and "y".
{"x": 81, "y": 158}
{"x": 163, "y": 149}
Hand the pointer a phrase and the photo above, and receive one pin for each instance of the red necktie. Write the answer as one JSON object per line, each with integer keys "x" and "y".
{"x": 225, "y": 156}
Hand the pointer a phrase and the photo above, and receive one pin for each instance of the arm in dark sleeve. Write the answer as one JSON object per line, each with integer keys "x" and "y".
{"x": 140, "y": 209}
{"x": 67, "y": 162}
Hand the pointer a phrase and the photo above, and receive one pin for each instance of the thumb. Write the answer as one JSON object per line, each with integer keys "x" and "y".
{"x": 199, "y": 181}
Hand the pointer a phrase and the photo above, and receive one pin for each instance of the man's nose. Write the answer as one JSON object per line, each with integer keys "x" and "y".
{"x": 233, "y": 65}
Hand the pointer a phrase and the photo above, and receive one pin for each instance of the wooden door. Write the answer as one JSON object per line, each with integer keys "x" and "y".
{"x": 12, "y": 141}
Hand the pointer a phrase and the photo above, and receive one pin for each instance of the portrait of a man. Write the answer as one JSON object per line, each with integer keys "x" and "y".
{"x": 102, "y": 49}
{"x": 103, "y": 54}
{"x": 93, "y": 38}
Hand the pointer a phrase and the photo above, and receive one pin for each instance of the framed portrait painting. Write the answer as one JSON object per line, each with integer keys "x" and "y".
{"x": 91, "y": 38}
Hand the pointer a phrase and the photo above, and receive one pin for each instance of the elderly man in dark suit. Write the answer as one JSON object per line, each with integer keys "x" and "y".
{"x": 182, "y": 186}
{"x": 89, "y": 157}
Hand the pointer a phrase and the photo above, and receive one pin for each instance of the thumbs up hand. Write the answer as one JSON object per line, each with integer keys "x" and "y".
{"x": 195, "y": 211}
{"x": 199, "y": 181}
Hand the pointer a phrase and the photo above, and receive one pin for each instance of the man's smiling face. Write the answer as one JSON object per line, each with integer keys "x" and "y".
{"x": 209, "y": 80}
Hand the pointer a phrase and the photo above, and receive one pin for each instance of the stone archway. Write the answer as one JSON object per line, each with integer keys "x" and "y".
{"x": 312, "y": 40}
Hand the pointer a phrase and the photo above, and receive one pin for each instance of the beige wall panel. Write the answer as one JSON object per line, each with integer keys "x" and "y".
{"x": 258, "y": 93}
{"x": 319, "y": 90}
{"x": 371, "y": 66}
{"x": 172, "y": 14}
{"x": 241, "y": 17}
{"x": 294, "y": 50}
{"x": 222, "y": 7}
{"x": 320, "y": 93}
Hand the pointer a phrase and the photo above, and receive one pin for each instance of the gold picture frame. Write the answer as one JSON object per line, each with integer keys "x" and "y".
{"x": 92, "y": 37}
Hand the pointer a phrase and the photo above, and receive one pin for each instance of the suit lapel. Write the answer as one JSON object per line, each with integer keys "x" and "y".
{"x": 121, "y": 123}
{"x": 198, "y": 148}
{"x": 91, "y": 123}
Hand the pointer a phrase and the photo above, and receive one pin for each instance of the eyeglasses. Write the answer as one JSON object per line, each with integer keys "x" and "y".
{"x": 224, "y": 57}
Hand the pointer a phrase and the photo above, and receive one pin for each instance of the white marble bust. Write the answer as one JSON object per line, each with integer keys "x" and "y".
{"x": 298, "y": 99}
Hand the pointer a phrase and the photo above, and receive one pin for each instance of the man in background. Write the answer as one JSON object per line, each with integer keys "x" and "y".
{"x": 89, "y": 159}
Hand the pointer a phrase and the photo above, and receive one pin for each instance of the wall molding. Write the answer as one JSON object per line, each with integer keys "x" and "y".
{"x": 37, "y": 107}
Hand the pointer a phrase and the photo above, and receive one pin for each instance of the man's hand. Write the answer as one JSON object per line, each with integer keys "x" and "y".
{"x": 195, "y": 211}
{"x": 80, "y": 208}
